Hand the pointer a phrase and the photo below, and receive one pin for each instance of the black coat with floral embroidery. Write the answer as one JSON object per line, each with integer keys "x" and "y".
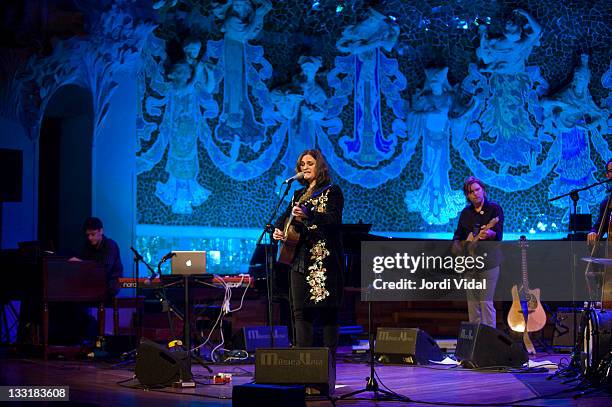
{"x": 319, "y": 251}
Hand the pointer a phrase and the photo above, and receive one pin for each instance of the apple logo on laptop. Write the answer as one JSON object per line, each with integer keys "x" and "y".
{"x": 188, "y": 263}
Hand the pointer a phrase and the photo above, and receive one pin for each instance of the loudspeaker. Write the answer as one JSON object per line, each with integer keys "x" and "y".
{"x": 406, "y": 345}
{"x": 157, "y": 366}
{"x": 254, "y": 337}
{"x": 312, "y": 367}
{"x": 563, "y": 335}
{"x": 268, "y": 395}
{"x": 480, "y": 345}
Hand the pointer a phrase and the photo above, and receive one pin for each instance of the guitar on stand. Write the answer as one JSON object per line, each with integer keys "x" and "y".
{"x": 526, "y": 314}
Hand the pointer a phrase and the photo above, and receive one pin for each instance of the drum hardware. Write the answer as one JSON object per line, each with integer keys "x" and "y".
{"x": 595, "y": 345}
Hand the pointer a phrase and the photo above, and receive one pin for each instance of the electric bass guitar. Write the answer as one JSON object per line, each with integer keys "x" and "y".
{"x": 526, "y": 314}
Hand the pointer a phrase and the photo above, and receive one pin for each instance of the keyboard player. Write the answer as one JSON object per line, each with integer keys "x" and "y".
{"x": 77, "y": 325}
{"x": 104, "y": 251}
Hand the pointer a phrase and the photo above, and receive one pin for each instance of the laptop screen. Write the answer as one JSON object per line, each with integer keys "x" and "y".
{"x": 188, "y": 262}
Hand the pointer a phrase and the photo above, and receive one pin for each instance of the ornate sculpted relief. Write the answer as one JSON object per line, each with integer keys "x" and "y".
{"x": 435, "y": 113}
{"x": 212, "y": 119}
{"x": 508, "y": 93}
{"x": 373, "y": 153}
{"x": 112, "y": 46}
{"x": 571, "y": 116}
{"x": 179, "y": 97}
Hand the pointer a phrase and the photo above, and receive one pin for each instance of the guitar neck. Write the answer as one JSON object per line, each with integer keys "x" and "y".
{"x": 288, "y": 223}
{"x": 524, "y": 266}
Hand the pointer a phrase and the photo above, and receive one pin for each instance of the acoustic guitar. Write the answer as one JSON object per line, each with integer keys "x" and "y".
{"x": 526, "y": 314}
{"x": 286, "y": 252}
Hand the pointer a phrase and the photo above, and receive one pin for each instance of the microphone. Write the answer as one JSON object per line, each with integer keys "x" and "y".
{"x": 299, "y": 175}
{"x": 167, "y": 257}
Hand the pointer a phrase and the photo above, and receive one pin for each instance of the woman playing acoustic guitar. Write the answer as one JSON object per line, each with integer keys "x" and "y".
{"x": 311, "y": 235}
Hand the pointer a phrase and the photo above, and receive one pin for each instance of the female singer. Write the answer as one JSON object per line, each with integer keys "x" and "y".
{"x": 315, "y": 213}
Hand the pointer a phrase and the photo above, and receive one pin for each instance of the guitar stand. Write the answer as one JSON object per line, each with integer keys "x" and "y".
{"x": 540, "y": 341}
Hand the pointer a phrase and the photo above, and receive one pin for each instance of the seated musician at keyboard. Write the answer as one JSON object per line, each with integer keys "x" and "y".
{"x": 104, "y": 251}
{"x": 77, "y": 325}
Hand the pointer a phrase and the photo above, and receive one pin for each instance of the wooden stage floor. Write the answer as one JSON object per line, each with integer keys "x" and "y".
{"x": 97, "y": 384}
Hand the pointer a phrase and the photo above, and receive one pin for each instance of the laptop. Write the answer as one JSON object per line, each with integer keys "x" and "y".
{"x": 188, "y": 262}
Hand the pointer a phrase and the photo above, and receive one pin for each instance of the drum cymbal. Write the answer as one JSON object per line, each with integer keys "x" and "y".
{"x": 598, "y": 260}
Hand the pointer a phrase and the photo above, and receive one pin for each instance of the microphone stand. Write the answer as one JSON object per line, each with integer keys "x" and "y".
{"x": 371, "y": 382}
{"x": 575, "y": 191}
{"x": 269, "y": 229}
{"x": 129, "y": 355}
{"x": 160, "y": 294}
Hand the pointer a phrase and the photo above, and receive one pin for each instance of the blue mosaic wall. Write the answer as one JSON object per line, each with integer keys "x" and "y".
{"x": 405, "y": 100}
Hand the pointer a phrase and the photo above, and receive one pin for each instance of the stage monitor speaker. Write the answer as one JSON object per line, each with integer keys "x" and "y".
{"x": 406, "y": 345}
{"x": 157, "y": 366}
{"x": 480, "y": 345}
{"x": 254, "y": 337}
{"x": 269, "y": 395}
{"x": 307, "y": 366}
{"x": 563, "y": 335}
